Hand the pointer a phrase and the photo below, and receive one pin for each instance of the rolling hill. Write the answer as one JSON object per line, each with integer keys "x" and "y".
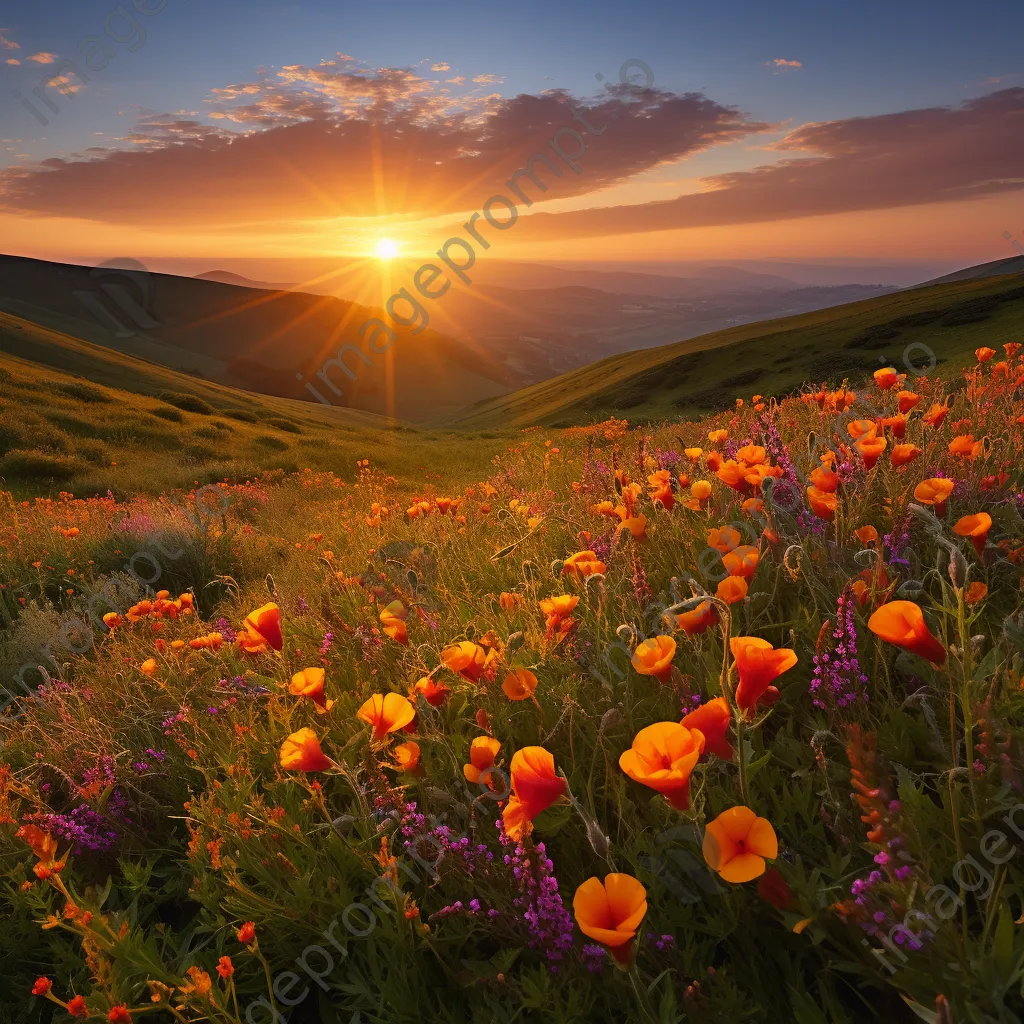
{"x": 273, "y": 342}
{"x": 773, "y": 357}
{"x": 82, "y": 417}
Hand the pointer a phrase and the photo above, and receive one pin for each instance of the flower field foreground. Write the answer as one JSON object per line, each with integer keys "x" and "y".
{"x": 715, "y": 721}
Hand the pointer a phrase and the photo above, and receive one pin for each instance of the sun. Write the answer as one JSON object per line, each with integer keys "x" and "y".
{"x": 387, "y": 249}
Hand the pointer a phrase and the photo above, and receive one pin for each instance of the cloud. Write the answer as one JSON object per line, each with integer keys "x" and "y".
{"x": 317, "y": 144}
{"x": 43, "y": 57}
{"x": 443, "y": 66}
{"x": 6, "y": 43}
{"x": 931, "y": 155}
{"x": 457, "y": 80}
{"x": 13, "y": 60}
{"x": 488, "y": 80}
{"x": 781, "y": 64}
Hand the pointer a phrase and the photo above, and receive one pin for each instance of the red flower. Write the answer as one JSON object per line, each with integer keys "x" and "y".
{"x": 225, "y": 968}
{"x": 247, "y": 933}
{"x": 119, "y": 1015}
{"x": 77, "y": 1007}
{"x": 42, "y": 986}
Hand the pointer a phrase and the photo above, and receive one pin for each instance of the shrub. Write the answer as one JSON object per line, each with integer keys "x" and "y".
{"x": 243, "y": 415}
{"x": 82, "y": 391}
{"x": 39, "y": 465}
{"x": 190, "y": 403}
{"x": 166, "y": 412}
{"x": 197, "y": 454}
{"x": 283, "y": 424}
{"x": 271, "y": 443}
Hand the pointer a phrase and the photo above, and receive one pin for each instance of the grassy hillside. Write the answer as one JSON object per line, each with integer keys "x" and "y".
{"x": 773, "y": 357}
{"x": 252, "y": 338}
{"x": 76, "y": 416}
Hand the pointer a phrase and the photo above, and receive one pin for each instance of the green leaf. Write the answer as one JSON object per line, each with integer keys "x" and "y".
{"x": 1002, "y": 943}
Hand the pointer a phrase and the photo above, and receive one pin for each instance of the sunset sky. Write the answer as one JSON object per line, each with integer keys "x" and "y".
{"x": 315, "y": 128}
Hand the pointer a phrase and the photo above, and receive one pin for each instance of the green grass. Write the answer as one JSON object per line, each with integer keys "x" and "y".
{"x": 79, "y": 417}
{"x": 773, "y": 357}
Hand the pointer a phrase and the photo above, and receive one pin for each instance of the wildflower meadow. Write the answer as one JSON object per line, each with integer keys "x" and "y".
{"x": 708, "y": 721}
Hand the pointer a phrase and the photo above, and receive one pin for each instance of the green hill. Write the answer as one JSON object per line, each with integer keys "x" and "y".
{"x": 773, "y": 357}
{"x": 80, "y": 417}
{"x": 272, "y": 342}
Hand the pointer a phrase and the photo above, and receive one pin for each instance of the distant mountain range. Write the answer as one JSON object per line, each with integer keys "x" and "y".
{"x": 483, "y": 345}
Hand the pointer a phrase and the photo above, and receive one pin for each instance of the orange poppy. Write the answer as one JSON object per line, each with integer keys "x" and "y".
{"x": 737, "y": 844}
{"x": 727, "y": 538}
{"x": 732, "y": 589}
{"x": 662, "y": 757}
{"x": 407, "y": 756}
{"x": 611, "y": 911}
{"x": 934, "y": 491}
{"x": 867, "y": 535}
{"x": 742, "y": 561}
{"x": 870, "y": 449}
{"x": 733, "y": 474}
{"x": 653, "y": 657}
{"x": 697, "y": 619}
{"x": 886, "y": 378}
{"x": 468, "y": 659}
{"x": 310, "y": 683}
{"x": 897, "y": 424}
{"x": 693, "y": 454}
{"x": 758, "y": 665}
{"x": 712, "y": 720}
{"x": 965, "y": 447}
{"x": 265, "y": 622}
{"x": 392, "y": 620}
{"x": 902, "y": 623}
{"x": 583, "y": 564}
{"x": 984, "y": 354}
{"x": 713, "y": 461}
{"x": 482, "y": 753}
{"x": 976, "y": 527}
{"x": 714, "y": 436}
{"x": 823, "y": 503}
{"x": 935, "y": 415}
{"x": 975, "y": 592}
{"x": 387, "y": 713}
{"x": 637, "y": 526}
{"x": 907, "y": 400}
{"x": 862, "y": 428}
{"x": 148, "y": 667}
{"x": 752, "y": 454}
{"x": 434, "y": 693}
{"x": 519, "y": 684}
{"x": 535, "y": 787}
{"x": 511, "y": 602}
{"x": 301, "y": 752}
{"x": 903, "y": 453}
{"x": 825, "y": 480}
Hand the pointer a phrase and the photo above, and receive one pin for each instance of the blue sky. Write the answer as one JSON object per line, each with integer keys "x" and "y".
{"x": 861, "y": 58}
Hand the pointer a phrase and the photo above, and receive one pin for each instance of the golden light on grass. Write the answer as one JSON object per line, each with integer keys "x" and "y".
{"x": 387, "y": 249}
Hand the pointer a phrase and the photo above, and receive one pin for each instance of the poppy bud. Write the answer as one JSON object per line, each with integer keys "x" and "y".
{"x": 483, "y": 719}
{"x": 957, "y": 568}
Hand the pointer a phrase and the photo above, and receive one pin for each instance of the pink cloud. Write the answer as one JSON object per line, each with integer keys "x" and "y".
{"x": 931, "y": 155}
{"x": 44, "y": 57}
{"x": 330, "y": 144}
{"x": 7, "y": 44}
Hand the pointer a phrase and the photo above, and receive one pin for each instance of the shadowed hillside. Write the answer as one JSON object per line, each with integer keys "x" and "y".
{"x": 252, "y": 338}
{"x": 774, "y": 357}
